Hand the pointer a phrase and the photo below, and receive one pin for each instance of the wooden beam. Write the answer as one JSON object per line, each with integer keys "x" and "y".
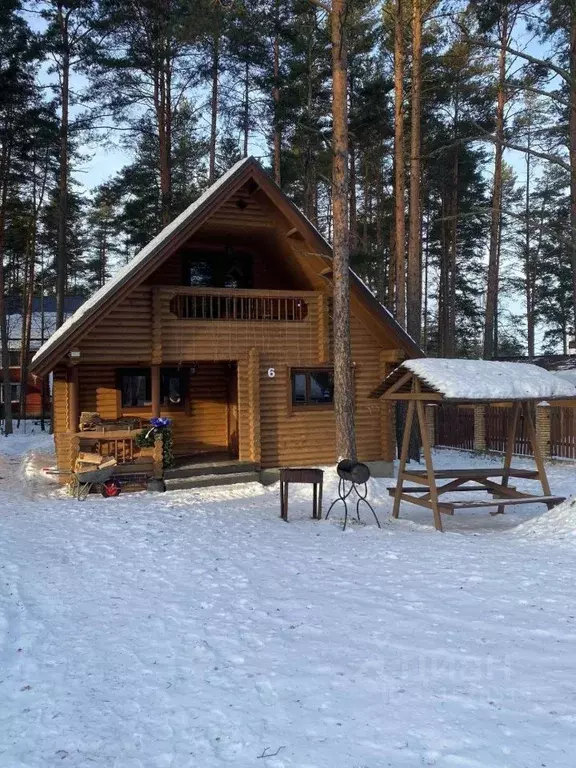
{"x": 323, "y": 329}
{"x": 295, "y": 234}
{"x": 425, "y": 437}
{"x": 254, "y": 404}
{"x": 403, "y": 459}
{"x": 73, "y": 399}
{"x": 542, "y": 476}
{"x": 157, "y": 302}
{"x": 392, "y": 355}
{"x": 155, "y": 393}
{"x": 509, "y": 450}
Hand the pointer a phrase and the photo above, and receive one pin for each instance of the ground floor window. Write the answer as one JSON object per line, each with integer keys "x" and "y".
{"x": 14, "y": 393}
{"x": 312, "y": 387}
{"x": 135, "y": 385}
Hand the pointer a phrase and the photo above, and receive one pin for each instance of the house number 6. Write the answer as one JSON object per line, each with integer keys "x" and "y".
{"x": 271, "y": 372}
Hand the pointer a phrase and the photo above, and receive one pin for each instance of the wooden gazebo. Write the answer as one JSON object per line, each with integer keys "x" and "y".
{"x": 470, "y": 382}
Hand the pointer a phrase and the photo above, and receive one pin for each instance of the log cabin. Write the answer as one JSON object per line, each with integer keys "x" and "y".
{"x": 222, "y": 323}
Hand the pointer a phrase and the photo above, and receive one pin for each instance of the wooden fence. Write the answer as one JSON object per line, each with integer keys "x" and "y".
{"x": 497, "y": 425}
{"x": 563, "y": 432}
{"x": 556, "y": 427}
{"x": 454, "y": 426}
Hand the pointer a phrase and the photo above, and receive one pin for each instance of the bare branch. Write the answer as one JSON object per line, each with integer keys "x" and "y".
{"x": 563, "y": 73}
{"x": 320, "y": 4}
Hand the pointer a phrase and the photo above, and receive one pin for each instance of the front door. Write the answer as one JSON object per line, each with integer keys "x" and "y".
{"x": 209, "y": 424}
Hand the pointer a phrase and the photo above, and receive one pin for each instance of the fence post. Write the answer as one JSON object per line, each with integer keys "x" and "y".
{"x": 431, "y": 422}
{"x": 543, "y": 418}
{"x": 479, "y": 427}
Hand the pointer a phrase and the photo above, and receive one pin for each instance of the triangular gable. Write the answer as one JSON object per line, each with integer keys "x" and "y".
{"x": 176, "y": 233}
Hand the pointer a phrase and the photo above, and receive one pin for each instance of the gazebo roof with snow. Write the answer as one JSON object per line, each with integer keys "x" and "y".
{"x": 472, "y": 381}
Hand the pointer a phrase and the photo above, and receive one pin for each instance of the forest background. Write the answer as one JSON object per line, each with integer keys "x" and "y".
{"x": 117, "y": 114}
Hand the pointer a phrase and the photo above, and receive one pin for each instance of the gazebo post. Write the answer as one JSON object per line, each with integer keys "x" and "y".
{"x": 425, "y": 437}
{"x": 510, "y": 440}
{"x": 538, "y": 458}
{"x": 403, "y": 458}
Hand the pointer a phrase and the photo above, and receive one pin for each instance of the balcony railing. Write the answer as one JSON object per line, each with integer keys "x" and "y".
{"x": 239, "y": 306}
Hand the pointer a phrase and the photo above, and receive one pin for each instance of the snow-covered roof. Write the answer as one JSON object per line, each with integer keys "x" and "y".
{"x": 489, "y": 379}
{"x": 43, "y": 318}
{"x": 138, "y": 261}
{"x": 193, "y": 214}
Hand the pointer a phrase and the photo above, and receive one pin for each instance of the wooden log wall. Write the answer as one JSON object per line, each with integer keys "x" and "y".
{"x": 130, "y": 336}
{"x": 124, "y": 335}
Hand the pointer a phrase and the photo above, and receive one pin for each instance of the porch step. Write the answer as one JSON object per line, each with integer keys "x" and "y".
{"x": 205, "y": 481}
{"x": 205, "y": 468}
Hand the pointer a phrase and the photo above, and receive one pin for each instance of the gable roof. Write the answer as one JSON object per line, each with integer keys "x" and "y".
{"x": 176, "y": 233}
{"x": 476, "y": 381}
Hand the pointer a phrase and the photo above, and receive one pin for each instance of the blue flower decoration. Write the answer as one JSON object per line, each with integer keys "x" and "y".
{"x": 159, "y": 422}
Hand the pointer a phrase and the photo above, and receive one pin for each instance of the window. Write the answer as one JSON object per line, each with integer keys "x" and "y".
{"x": 313, "y": 387}
{"x": 134, "y": 386}
{"x": 14, "y": 393}
{"x": 218, "y": 269}
{"x": 173, "y": 386}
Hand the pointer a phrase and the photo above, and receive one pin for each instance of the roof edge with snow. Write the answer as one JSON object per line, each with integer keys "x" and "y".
{"x": 192, "y": 217}
{"x": 475, "y": 381}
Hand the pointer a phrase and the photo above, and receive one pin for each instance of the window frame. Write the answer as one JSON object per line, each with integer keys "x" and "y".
{"x": 184, "y": 375}
{"x": 215, "y": 259}
{"x": 18, "y": 387}
{"x": 134, "y": 371}
{"x": 307, "y": 406}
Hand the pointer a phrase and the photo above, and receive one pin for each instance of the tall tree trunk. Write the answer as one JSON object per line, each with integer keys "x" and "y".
{"x": 5, "y": 161}
{"x": 214, "y": 105}
{"x": 62, "y": 252}
{"x": 572, "y": 134}
{"x": 343, "y": 375}
{"x": 399, "y": 181}
{"x": 453, "y": 245}
{"x": 530, "y": 319}
{"x": 495, "y": 234}
{"x": 414, "y": 287}
{"x": 426, "y": 279}
{"x": 27, "y": 307}
{"x": 444, "y": 281}
{"x": 276, "y": 96}
{"x": 353, "y": 214}
{"x": 310, "y": 188}
{"x": 246, "y": 106}
{"x": 164, "y": 119}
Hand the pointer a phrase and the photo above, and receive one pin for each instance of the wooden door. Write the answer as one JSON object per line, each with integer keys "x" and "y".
{"x": 233, "y": 410}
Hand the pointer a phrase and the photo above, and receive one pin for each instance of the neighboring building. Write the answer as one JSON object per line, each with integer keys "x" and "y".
{"x": 43, "y": 325}
{"x": 563, "y": 365}
{"x": 222, "y": 323}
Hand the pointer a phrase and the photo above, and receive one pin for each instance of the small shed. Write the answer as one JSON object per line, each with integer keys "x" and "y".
{"x": 472, "y": 382}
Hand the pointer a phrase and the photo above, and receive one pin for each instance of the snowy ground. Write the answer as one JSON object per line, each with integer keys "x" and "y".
{"x": 197, "y": 629}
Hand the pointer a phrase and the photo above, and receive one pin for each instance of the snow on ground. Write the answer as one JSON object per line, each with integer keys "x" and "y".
{"x": 198, "y": 630}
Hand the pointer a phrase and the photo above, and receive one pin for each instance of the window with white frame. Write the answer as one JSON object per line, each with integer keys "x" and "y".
{"x": 14, "y": 393}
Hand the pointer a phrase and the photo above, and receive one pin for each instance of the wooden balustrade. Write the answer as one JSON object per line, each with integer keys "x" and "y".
{"x": 240, "y": 305}
{"x": 119, "y": 444}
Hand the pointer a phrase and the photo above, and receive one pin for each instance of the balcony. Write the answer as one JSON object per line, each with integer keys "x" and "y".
{"x": 223, "y": 324}
{"x": 214, "y": 304}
